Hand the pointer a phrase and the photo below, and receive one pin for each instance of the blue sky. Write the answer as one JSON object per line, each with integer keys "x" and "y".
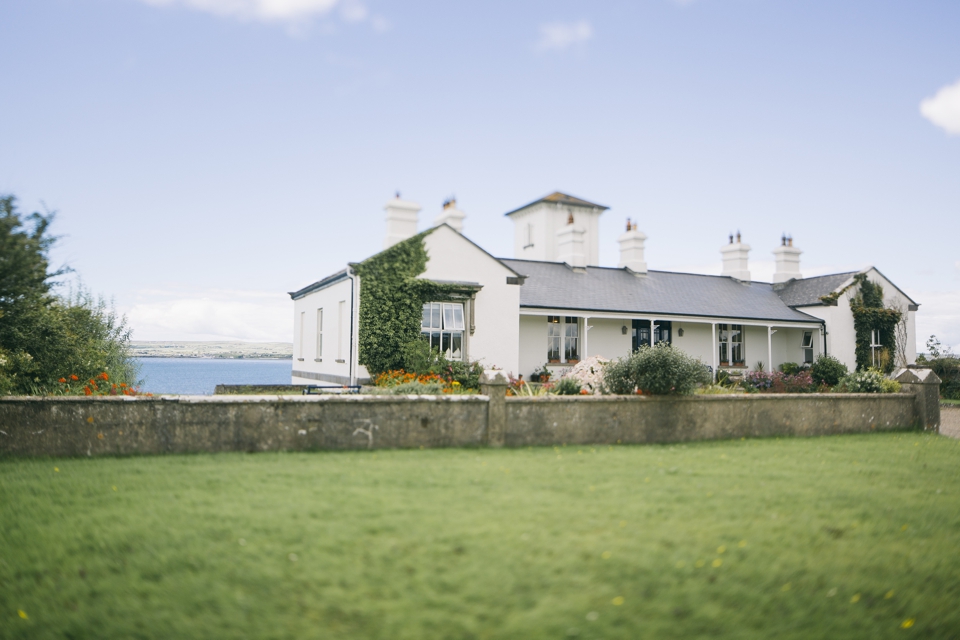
{"x": 206, "y": 156}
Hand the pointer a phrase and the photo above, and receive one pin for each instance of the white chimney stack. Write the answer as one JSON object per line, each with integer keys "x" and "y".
{"x": 631, "y": 249}
{"x": 570, "y": 246}
{"x": 451, "y": 216}
{"x": 735, "y": 259}
{"x": 401, "y": 220}
{"x": 788, "y": 261}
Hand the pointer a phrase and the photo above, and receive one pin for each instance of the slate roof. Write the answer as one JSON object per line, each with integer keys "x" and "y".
{"x": 807, "y": 291}
{"x": 319, "y": 284}
{"x": 554, "y": 285}
{"x": 561, "y": 198}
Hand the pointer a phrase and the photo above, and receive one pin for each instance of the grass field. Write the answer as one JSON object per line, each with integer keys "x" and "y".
{"x": 838, "y": 537}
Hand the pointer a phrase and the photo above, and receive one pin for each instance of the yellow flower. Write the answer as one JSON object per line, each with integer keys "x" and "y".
{"x": 646, "y": 479}
{"x": 22, "y": 613}
{"x": 57, "y": 469}
{"x": 742, "y": 544}
{"x": 717, "y": 562}
{"x": 681, "y": 564}
{"x": 855, "y": 599}
{"x": 623, "y": 523}
{"x": 618, "y": 601}
{"x": 785, "y": 587}
{"x": 906, "y": 624}
{"x": 606, "y": 555}
{"x": 721, "y": 549}
{"x": 888, "y": 595}
{"x": 114, "y": 488}
{"x": 592, "y": 488}
{"x": 904, "y": 527}
{"x": 699, "y": 563}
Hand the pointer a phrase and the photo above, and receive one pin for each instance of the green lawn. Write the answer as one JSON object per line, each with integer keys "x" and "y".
{"x": 945, "y": 401}
{"x": 838, "y": 537}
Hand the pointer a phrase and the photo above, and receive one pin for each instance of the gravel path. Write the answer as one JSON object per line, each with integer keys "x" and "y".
{"x": 950, "y": 421}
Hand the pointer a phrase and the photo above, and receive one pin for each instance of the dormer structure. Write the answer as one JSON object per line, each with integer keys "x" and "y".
{"x": 541, "y": 227}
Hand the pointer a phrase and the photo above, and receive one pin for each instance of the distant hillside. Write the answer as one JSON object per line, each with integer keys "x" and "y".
{"x": 189, "y": 349}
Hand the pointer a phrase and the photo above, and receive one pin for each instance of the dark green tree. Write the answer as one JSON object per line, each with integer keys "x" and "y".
{"x": 45, "y": 337}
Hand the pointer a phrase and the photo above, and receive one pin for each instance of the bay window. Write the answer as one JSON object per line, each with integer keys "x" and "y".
{"x": 442, "y": 328}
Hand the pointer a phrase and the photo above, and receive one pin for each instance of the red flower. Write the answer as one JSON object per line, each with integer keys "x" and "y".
{"x": 87, "y": 392}
{"x": 62, "y": 380}
{"x": 73, "y": 377}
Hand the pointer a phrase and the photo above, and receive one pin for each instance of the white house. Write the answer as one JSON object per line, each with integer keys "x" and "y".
{"x": 553, "y": 305}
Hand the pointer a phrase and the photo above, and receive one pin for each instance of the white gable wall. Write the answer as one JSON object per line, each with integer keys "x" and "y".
{"x": 497, "y": 304}
{"x": 841, "y": 336}
{"x": 332, "y": 364}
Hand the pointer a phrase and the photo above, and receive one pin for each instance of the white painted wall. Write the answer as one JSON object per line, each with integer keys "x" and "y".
{"x": 497, "y": 307}
{"x": 605, "y": 339}
{"x": 547, "y": 218}
{"x": 533, "y": 344}
{"x": 336, "y": 335}
{"x": 696, "y": 340}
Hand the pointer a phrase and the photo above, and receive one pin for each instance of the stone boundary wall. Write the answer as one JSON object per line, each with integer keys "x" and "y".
{"x": 72, "y": 426}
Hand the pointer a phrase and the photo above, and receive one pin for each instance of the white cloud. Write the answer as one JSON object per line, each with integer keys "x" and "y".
{"x": 211, "y": 315}
{"x": 557, "y": 36}
{"x": 943, "y": 109}
{"x": 289, "y": 11}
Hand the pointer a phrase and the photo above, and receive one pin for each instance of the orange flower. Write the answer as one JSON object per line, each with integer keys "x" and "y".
{"x": 584, "y": 392}
{"x": 62, "y": 380}
{"x": 104, "y": 376}
{"x": 87, "y": 391}
{"x": 73, "y": 377}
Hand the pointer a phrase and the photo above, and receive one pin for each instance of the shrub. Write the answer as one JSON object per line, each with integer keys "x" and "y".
{"x": 419, "y": 388}
{"x": 948, "y": 370}
{"x": 567, "y": 387}
{"x": 869, "y": 381}
{"x": 777, "y": 382}
{"x": 659, "y": 370}
{"x": 790, "y": 368}
{"x": 827, "y": 370}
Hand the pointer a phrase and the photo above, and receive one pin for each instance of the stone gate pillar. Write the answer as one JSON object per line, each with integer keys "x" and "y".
{"x": 493, "y": 384}
{"x": 925, "y": 385}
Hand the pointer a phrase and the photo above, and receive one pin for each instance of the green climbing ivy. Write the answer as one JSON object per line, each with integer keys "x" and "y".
{"x": 870, "y": 314}
{"x": 391, "y": 302}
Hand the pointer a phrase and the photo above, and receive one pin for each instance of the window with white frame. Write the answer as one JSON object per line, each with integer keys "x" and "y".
{"x": 730, "y": 341}
{"x": 319, "y": 355}
{"x": 341, "y": 325}
{"x": 442, "y": 327}
{"x": 303, "y": 321}
{"x": 807, "y": 345}
{"x": 563, "y": 339}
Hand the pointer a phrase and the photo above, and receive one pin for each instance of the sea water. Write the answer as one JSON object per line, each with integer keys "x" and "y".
{"x": 199, "y": 376}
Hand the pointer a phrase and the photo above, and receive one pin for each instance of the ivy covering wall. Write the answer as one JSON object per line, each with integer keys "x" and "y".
{"x": 391, "y": 302}
{"x": 870, "y": 314}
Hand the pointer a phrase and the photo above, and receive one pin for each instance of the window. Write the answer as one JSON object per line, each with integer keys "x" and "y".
{"x": 563, "y": 339}
{"x": 807, "y": 345}
{"x": 319, "y": 355}
{"x": 442, "y": 328}
{"x": 341, "y": 308}
{"x": 730, "y": 339}
{"x": 529, "y": 242}
{"x": 303, "y": 321}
